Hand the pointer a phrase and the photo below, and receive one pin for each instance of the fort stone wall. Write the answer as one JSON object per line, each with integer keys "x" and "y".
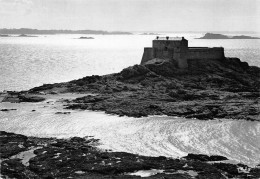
{"x": 177, "y": 49}
{"x": 147, "y": 55}
{"x": 161, "y": 44}
{"x": 164, "y": 48}
{"x": 172, "y": 49}
{"x": 205, "y": 53}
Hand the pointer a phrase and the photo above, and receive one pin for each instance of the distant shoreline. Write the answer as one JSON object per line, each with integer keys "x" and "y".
{"x": 221, "y": 36}
{"x": 53, "y": 32}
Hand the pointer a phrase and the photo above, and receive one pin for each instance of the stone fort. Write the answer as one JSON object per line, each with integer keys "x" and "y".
{"x": 176, "y": 49}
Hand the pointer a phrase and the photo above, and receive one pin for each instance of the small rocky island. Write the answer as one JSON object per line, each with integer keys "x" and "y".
{"x": 86, "y": 38}
{"x": 4, "y": 35}
{"x": 149, "y": 33}
{"x": 220, "y": 36}
{"x": 172, "y": 79}
{"x": 24, "y": 35}
{"x": 21, "y": 35}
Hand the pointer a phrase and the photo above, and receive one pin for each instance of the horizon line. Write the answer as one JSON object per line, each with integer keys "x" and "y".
{"x": 136, "y": 31}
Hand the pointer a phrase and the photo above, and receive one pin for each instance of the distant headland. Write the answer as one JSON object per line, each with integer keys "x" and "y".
{"x": 51, "y": 32}
{"x": 221, "y": 36}
{"x": 21, "y": 35}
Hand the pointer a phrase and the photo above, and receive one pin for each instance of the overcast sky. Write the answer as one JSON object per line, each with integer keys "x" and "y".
{"x": 132, "y": 15}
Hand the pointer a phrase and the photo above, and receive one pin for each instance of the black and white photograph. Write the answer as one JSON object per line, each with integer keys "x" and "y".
{"x": 129, "y": 89}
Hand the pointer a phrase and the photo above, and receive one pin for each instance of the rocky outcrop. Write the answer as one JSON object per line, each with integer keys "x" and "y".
{"x": 79, "y": 158}
{"x": 207, "y": 89}
{"x": 7, "y": 110}
{"x": 16, "y": 97}
{"x": 4, "y": 35}
{"x": 201, "y": 157}
{"x": 86, "y": 37}
{"x": 24, "y": 35}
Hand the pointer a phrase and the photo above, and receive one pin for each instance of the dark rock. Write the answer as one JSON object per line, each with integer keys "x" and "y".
{"x": 201, "y": 157}
{"x": 41, "y": 88}
{"x": 229, "y": 168}
{"x": 4, "y": 35}
{"x": 28, "y": 98}
{"x": 133, "y": 72}
{"x": 13, "y": 168}
{"x": 24, "y": 35}
{"x": 79, "y": 158}
{"x": 62, "y": 112}
{"x": 229, "y": 85}
{"x": 11, "y": 144}
{"x": 8, "y": 109}
{"x": 86, "y": 38}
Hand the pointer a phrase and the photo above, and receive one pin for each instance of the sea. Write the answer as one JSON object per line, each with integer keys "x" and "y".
{"x": 26, "y": 62}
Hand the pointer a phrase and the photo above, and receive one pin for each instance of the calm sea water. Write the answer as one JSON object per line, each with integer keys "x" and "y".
{"x": 29, "y": 62}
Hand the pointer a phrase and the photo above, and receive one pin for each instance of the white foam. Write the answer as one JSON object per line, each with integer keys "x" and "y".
{"x": 145, "y": 173}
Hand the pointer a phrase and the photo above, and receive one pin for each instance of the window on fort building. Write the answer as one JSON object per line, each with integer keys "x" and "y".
{"x": 165, "y": 48}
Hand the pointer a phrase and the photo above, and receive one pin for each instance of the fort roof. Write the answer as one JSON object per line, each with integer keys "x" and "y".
{"x": 170, "y": 38}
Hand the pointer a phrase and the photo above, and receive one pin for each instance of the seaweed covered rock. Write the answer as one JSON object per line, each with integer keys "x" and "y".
{"x": 80, "y": 158}
{"x": 201, "y": 157}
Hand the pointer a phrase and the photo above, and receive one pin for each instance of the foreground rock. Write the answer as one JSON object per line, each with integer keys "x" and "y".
{"x": 30, "y": 157}
{"x": 208, "y": 89}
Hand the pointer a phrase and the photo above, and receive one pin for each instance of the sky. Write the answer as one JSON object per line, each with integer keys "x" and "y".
{"x": 132, "y": 15}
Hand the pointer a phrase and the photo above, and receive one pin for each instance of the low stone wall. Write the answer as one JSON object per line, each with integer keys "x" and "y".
{"x": 205, "y": 53}
{"x": 147, "y": 55}
{"x": 182, "y": 56}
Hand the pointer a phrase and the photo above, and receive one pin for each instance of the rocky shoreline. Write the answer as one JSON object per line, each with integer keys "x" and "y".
{"x": 31, "y": 157}
{"x": 208, "y": 89}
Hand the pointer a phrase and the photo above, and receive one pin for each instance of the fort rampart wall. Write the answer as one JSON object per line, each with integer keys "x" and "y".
{"x": 147, "y": 55}
{"x": 205, "y": 53}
